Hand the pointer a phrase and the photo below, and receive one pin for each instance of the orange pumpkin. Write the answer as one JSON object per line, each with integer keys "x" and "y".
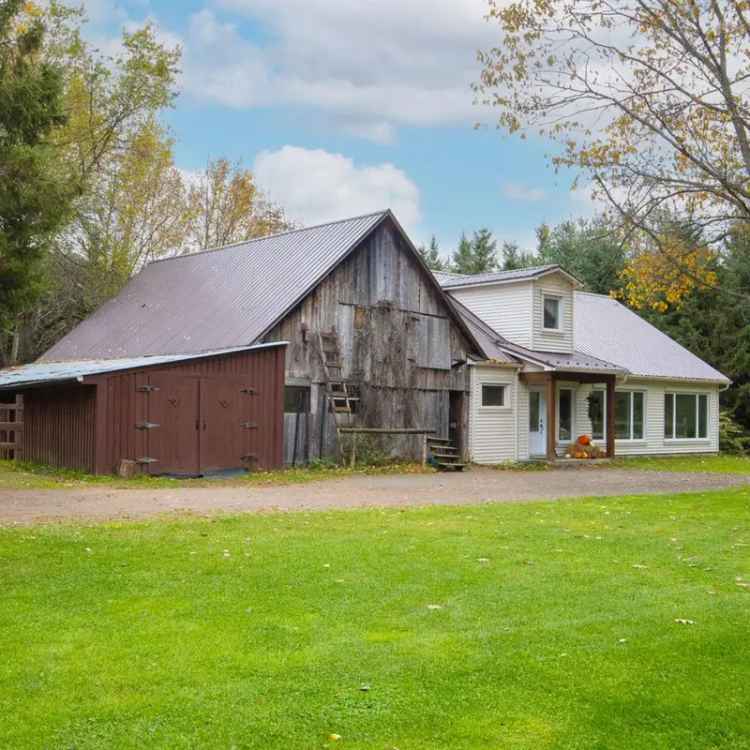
{"x": 584, "y": 440}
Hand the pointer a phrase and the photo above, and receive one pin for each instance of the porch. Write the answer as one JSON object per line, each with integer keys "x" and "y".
{"x": 548, "y": 385}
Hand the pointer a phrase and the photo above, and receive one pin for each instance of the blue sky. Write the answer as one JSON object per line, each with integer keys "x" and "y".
{"x": 346, "y": 106}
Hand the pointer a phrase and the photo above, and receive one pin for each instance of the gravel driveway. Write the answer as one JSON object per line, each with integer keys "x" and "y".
{"x": 475, "y": 486}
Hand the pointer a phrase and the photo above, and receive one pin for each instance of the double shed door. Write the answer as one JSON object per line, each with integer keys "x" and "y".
{"x": 199, "y": 425}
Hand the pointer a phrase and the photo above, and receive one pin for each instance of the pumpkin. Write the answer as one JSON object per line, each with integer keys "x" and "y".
{"x": 584, "y": 440}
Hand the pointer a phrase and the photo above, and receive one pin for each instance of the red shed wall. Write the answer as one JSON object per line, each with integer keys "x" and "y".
{"x": 121, "y": 406}
{"x": 59, "y": 426}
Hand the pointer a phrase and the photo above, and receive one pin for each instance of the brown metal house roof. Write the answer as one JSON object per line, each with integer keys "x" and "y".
{"x": 215, "y": 299}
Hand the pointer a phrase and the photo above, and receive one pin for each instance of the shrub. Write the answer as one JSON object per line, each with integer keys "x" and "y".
{"x": 732, "y": 437}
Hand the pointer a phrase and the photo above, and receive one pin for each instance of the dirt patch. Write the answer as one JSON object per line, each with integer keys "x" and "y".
{"x": 475, "y": 486}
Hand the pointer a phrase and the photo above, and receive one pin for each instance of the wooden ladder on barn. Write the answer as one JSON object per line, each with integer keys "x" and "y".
{"x": 342, "y": 396}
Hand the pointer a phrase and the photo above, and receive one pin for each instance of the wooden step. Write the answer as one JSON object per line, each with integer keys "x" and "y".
{"x": 442, "y": 466}
{"x": 452, "y": 454}
{"x": 438, "y": 440}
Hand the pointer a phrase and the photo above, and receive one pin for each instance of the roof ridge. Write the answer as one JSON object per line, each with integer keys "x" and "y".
{"x": 382, "y": 212}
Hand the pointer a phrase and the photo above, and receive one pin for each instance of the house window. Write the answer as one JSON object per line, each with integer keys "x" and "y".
{"x": 552, "y": 306}
{"x": 565, "y": 429}
{"x": 597, "y": 414}
{"x": 493, "y": 395}
{"x": 685, "y": 416}
{"x": 629, "y": 415}
{"x": 296, "y": 399}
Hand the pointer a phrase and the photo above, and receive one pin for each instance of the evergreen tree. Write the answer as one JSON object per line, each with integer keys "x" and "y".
{"x": 587, "y": 249}
{"x": 478, "y": 255}
{"x": 431, "y": 255}
{"x": 515, "y": 258}
{"x": 34, "y": 193}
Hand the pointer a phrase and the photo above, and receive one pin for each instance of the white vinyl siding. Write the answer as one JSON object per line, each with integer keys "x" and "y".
{"x": 505, "y": 307}
{"x": 654, "y": 442}
{"x": 493, "y": 430}
{"x": 543, "y": 339}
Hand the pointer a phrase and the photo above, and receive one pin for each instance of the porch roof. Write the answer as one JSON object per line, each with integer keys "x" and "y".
{"x": 498, "y": 349}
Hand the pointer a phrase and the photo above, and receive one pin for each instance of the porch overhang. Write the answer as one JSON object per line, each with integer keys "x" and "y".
{"x": 548, "y": 380}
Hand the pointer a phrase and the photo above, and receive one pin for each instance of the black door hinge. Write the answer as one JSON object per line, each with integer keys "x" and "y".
{"x": 249, "y": 391}
{"x": 146, "y": 388}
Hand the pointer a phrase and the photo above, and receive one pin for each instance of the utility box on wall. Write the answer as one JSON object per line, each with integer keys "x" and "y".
{"x": 174, "y": 414}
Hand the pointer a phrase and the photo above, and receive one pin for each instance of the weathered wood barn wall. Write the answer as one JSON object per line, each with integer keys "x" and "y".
{"x": 398, "y": 340}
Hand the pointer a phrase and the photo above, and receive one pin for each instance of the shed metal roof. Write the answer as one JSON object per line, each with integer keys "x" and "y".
{"x": 47, "y": 373}
{"x": 606, "y": 328}
{"x": 214, "y": 299}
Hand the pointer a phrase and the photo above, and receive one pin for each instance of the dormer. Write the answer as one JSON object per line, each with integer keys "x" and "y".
{"x": 532, "y": 307}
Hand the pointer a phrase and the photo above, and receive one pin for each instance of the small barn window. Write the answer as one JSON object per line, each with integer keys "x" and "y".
{"x": 296, "y": 399}
{"x": 493, "y": 395}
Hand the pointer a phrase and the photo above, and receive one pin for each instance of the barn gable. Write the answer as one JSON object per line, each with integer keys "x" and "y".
{"x": 227, "y": 297}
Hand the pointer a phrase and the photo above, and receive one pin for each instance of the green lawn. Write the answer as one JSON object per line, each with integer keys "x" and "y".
{"x": 615, "y": 623}
{"x": 722, "y": 464}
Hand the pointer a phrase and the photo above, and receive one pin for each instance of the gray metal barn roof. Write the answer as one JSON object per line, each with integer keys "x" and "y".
{"x": 214, "y": 299}
{"x": 47, "y": 373}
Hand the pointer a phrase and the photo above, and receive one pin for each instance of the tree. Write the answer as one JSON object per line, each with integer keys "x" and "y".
{"x": 515, "y": 258}
{"x": 117, "y": 164}
{"x": 478, "y": 255}
{"x": 649, "y": 99}
{"x": 588, "y": 249}
{"x": 226, "y": 206}
{"x": 431, "y": 256}
{"x": 34, "y": 192}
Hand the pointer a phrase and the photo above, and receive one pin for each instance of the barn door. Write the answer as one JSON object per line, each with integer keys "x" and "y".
{"x": 171, "y": 425}
{"x": 223, "y": 428}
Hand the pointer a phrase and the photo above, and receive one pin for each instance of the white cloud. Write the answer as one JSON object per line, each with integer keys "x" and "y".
{"x": 518, "y": 192}
{"x": 369, "y": 66}
{"x": 316, "y": 186}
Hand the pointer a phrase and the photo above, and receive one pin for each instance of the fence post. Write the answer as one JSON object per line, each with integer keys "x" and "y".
{"x": 354, "y": 449}
{"x": 424, "y": 450}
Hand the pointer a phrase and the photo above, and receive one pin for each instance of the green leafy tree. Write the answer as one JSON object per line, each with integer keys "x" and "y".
{"x": 431, "y": 255}
{"x": 478, "y": 255}
{"x": 130, "y": 203}
{"x": 35, "y": 193}
{"x": 588, "y": 249}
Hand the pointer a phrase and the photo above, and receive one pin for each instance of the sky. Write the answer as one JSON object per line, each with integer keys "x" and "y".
{"x": 343, "y": 107}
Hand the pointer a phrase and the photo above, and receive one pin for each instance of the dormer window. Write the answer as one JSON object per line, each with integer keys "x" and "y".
{"x": 552, "y": 312}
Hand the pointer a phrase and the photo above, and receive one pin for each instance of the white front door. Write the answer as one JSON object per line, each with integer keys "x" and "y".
{"x": 537, "y": 423}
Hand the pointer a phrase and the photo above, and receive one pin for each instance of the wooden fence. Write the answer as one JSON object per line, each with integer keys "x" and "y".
{"x": 11, "y": 428}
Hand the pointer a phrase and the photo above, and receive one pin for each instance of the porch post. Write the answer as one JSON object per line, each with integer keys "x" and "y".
{"x": 611, "y": 416}
{"x": 551, "y": 417}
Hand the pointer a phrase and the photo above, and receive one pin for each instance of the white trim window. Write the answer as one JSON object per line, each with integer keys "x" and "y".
{"x": 685, "y": 416}
{"x": 565, "y": 409}
{"x": 551, "y": 312}
{"x": 494, "y": 395}
{"x": 630, "y": 410}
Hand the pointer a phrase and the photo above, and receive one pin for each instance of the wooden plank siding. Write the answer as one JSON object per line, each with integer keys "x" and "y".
{"x": 60, "y": 427}
{"x": 396, "y": 339}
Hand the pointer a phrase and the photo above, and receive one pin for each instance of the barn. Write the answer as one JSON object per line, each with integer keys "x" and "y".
{"x": 373, "y": 341}
{"x": 178, "y": 414}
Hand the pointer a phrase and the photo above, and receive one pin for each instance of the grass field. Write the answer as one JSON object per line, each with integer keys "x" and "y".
{"x": 617, "y": 623}
{"x": 722, "y": 464}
